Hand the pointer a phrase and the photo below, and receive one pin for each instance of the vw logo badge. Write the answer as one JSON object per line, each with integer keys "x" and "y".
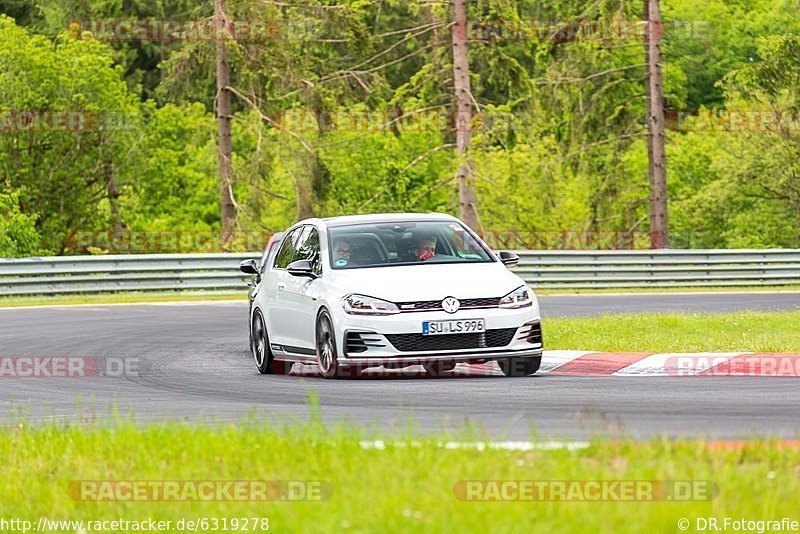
{"x": 451, "y": 304}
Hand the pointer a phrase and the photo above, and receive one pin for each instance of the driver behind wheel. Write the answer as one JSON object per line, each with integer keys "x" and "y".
{"x": 425, "y": 246}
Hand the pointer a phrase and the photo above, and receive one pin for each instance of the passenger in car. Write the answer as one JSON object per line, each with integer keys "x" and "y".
{"x": 342, "y": 250}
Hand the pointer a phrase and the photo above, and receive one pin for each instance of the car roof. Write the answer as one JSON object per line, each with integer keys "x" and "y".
{"x": 385, "y": 217}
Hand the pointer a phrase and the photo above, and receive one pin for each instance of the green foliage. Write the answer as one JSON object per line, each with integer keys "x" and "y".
{"x": 525, "y": 189}
{"x": 718, "y": 36}
{"x": 171, "y": 183}
{"x": 18, "y": 235}
{"x": 140, "y": 59}
{"x": 61, "y": 173}
{"x": 558, "y": 141}
{"x": 742, "y": 189}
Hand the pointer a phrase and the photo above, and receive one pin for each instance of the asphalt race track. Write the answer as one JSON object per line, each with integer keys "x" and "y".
{"x": 192, "y": 361}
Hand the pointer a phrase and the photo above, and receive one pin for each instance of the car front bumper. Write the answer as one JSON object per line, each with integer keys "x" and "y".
{"x": 456, "y": 357}
{"x": 382, "y": 351}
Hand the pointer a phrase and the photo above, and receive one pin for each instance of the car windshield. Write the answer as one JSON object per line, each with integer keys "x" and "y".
{"x": 403, "y": 243}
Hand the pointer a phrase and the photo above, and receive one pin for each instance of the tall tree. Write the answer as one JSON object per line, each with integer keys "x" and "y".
{"x": 467, "y": 200}
{"x": 656, "y": 139}
{"x": 224, "y": 115}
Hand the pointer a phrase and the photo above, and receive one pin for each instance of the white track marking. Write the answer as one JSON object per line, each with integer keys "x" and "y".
{"x": 553, "y": 359}
{"x": 381, "y": 445}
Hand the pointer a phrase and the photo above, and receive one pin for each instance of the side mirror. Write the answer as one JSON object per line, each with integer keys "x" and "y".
{"x": 509, "y": 259}
{"x": 249, "y": 267}
{"x": 301, "y": 268}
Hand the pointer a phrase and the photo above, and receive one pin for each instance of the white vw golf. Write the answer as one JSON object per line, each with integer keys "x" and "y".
{"x": 353, "y": 292}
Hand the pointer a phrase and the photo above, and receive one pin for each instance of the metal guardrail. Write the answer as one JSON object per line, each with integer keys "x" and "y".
{"x": 660, "y": 268}
{"x": 541, "y": 269}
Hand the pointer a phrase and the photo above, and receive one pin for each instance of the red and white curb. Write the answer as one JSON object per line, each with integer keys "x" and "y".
{"x": 580, "y": 363}
{"x": 620, "y": 364}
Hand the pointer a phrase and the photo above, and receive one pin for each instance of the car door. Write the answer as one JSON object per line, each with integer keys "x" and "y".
{"x": 301, "y": 294}
{"x": 274, "y": 282}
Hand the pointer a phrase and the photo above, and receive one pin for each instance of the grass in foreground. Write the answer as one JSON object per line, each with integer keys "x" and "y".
{"x": 399, "y": 489}
{"x": 677, "y": 332}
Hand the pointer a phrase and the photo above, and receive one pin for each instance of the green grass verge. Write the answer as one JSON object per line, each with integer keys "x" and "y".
{"x": 684, "y": 332}
{"x": 399, "y": 489}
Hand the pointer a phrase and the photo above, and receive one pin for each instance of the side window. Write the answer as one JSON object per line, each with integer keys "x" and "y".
{"x": 263, "y": 263}
{"x": 265, "y": 257}
{"x": 284, "y": 255}
{"x": 462, "y": 242}
{"x": 308, "y": 249}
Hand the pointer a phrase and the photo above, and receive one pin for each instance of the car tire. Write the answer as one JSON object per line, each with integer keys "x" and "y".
{"x": 259, "y": 345}
{"x": 520, "y": 366}
{"x": 327, "y": 357}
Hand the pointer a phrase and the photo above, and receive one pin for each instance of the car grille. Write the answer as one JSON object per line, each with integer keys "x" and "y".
{"x": 436, "y": 305}
{"x": 417, "y": 342}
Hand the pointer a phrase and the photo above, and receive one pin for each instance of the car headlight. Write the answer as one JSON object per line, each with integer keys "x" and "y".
{"x": 519, "y": 298}
{"x": 364, "y": 305}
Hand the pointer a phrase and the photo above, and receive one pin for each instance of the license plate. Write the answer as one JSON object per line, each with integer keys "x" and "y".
{"x": 460, "y": 326}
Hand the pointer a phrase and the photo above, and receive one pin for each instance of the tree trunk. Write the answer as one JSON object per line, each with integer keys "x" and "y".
{"x": 112, "y": 191}
{"x": 646, "y": 18}
{"x": 302, "y": 188}
{"x": 467, "y": 200}
{"x": 227, "y": 207}
{"x": 659, "y": 223}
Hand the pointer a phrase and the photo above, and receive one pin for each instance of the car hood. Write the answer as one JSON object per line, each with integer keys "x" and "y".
{"x": 429, "y": 282}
